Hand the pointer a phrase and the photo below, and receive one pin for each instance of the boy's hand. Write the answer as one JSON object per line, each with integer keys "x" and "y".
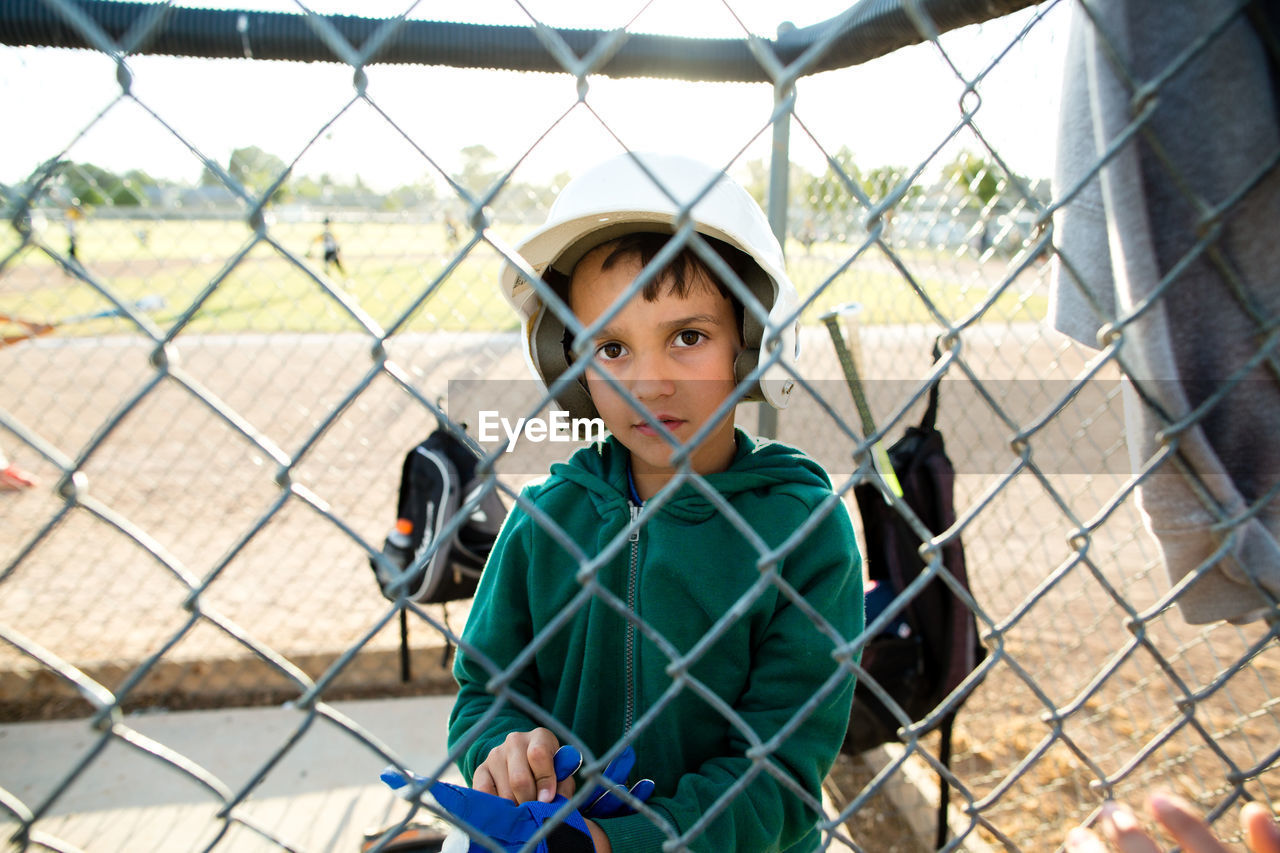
{"x": 497, "y": 820}
{"x": 504, "y": 822}
{"x": 1262, "y": 835}
{"x": 522, "y": 769}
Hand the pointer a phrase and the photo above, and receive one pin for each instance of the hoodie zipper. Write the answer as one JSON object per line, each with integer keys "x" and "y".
{"x": 629, "y": 708}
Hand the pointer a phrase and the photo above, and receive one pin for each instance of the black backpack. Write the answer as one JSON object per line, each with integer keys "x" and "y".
{"x": 920, "y": 657}
{"x": 437, "y": 479}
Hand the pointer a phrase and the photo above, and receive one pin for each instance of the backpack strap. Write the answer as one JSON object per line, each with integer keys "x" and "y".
{"x": 930, "y": 418}
{"x": 406, "y": 672}
{"x": 944, "y": 787}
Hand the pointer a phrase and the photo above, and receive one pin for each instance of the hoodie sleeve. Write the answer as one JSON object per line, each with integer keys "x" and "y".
{"x": 796, "y": 693}
{"x": 498, "y": 629}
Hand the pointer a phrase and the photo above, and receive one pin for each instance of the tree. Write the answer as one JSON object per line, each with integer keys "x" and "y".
{"x": 307, "y": 188}
{"x": 476, "y": 175}
{"x": 833, "y": 201}
{"x": 756, "y": 181}
{"x": 83, "y": 184}
{"x": 256, "y": 170}
{"x": 409, "y": 196}
{"x": 827, "y": 199}
{"x": 882, "y": 180}
{"x": 758, "y": 177}
{"x": 983, "y": 180}
{"x": 93, "y": 186}
{"x": 133, "y": 188}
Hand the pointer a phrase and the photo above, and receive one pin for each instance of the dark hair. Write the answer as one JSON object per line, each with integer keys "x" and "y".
{"x": 681, "y": 274}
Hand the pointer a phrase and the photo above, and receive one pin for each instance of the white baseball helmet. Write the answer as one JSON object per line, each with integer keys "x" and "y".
{"x": 617, "y": 197}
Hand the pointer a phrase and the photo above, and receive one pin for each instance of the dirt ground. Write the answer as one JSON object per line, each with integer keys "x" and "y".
{"x": 227, "y": 493}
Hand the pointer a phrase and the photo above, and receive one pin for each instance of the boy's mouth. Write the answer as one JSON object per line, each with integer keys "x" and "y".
{"x": 671, "y": 422}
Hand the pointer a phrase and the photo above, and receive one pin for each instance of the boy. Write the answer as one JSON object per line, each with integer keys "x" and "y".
{"x": 705, "y": 632}
{"x": 329, "y": 246}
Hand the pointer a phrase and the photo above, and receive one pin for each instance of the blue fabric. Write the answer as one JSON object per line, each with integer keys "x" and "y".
{"x": 500, "y": 820}
{"x": 512, "y": 825}
{"x": 602, "y": 802}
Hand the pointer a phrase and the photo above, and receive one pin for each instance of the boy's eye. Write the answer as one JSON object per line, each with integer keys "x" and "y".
{"x": 688, "y": 338}
{"x": 609, "y": 351}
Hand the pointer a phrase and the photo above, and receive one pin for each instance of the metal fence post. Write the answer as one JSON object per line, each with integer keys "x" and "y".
{"x": 779, "y": 171}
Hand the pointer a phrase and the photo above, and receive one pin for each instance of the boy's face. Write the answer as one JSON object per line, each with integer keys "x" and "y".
{"x": 675, "y": 355}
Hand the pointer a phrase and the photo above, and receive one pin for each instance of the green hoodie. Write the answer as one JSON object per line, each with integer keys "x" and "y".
{"x": 683, "y": 567}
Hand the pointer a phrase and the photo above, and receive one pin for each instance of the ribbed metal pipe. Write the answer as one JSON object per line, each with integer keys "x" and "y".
{"x": 873, "y": 29}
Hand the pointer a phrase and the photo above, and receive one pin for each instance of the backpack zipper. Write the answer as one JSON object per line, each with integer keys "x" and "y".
{"x": 629, "y": 708}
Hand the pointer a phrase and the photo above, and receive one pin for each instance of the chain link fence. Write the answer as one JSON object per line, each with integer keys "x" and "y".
{"x": 204, "y": 418}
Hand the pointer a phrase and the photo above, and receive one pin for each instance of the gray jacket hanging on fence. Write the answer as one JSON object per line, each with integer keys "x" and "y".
{"x": 1193, "y": 321}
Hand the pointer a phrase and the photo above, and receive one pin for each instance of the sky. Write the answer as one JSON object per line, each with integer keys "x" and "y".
{"x": 892, "y": 111}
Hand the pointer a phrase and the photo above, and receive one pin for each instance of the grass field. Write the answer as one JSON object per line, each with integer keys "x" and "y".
{"x": 390, "y": 266}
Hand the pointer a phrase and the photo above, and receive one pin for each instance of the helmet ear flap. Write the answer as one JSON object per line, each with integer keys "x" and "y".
{"x": 551, "y": 343}
{"x": 761, "y": 287}
{"x": 746, "y": 362}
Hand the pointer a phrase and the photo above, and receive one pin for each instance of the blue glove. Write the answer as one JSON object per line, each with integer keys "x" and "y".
{"x": 510, "y": 825}
{"x": 602, "y": 802}
{"x": 566, "y": 761}
{"x": 501, "y": 821}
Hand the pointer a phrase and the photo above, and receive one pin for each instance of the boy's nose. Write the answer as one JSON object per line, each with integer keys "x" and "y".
{"x": 653, "y": 387}
{"x": 652, "y": 379}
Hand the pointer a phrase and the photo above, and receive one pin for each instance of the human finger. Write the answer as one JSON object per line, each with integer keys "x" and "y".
{"x": 540, "y": 757}
{"x": 1183, "y": 822}
{"x": 485, "y": 781}
{"x": 515, "y": 781}
{"x": 1261, "y": 834}
{"x": 1123, "y": 831}
{"x": 498, "y": 765}
{"x": 1081, "y": 840}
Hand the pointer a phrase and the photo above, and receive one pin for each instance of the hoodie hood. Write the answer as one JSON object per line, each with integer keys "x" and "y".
{"x": 758, "y": 465}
